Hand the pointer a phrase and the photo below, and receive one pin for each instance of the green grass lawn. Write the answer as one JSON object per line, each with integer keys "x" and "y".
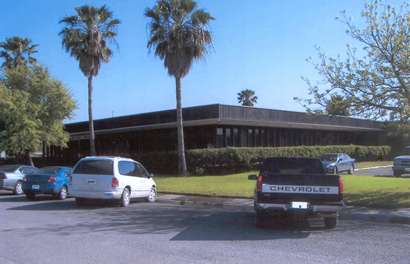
{"x": 378, "y": 192}
{"x": 368, "y": 164}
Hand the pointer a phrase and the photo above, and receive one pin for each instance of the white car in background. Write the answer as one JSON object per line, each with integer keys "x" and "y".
{"x": 111, "y": 178}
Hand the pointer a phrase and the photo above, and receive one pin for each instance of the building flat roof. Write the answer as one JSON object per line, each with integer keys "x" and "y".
{"x": 220, "y": 114}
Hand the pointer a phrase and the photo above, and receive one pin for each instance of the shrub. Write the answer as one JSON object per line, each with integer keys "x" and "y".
{"x": 228, "y": 160}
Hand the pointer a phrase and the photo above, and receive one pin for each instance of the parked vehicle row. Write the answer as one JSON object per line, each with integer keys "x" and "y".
{"x": 92, "y": 178}
{"x": 295, "y": 186}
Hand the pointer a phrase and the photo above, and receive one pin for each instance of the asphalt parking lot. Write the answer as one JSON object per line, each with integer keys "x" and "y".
{"x": 49, "y": 231}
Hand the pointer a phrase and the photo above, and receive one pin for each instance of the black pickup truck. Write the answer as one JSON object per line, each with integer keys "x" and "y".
{"x": 298, "y": 186}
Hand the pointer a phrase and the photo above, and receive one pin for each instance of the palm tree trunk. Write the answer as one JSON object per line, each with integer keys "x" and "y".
{"x": 182, "y": 169}
{"x": 90, "y": 116}
{"x": 29, "y": 160}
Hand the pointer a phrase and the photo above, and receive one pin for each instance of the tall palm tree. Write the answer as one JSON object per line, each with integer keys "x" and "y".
{"x": 17, "y": 51}
{"x": 86, "y": 36}
{"x": 179, "y": 35}
{"x": 247, "y": 97}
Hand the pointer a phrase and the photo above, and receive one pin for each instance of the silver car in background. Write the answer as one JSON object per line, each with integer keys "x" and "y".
{"x": 11, "y": 177}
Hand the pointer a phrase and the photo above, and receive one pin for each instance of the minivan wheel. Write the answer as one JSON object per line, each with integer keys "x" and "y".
{"x": 125, "y": 198}
{"x": 62, "y": 195}
{"x": 152, "y": 197}
{"x": 261, "y": 219}
{"x": 18, "y": 189}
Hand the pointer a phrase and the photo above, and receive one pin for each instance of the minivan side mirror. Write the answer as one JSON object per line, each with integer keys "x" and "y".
{"x": 252, "y": 177}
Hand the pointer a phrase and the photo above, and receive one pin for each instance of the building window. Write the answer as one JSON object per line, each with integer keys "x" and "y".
{"x": 236, "y": 138}
{"x": 228, "y": 137}
{"x": 257, "y": 138}
{"x": 251, "y": 139}
{"x": 220, "y": 137}
{"x": 263, "y": 138}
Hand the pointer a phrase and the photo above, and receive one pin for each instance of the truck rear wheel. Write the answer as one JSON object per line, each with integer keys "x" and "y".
{"x": 330, "y": 222}
{"x": 261, "y": 219}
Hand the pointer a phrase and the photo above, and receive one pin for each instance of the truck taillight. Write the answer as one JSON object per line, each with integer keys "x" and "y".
{"x": 259, "y": 183}
{"x": 51, "y": 179}
{"x": 114, "y": 182}
{"x": 341, "y": 185}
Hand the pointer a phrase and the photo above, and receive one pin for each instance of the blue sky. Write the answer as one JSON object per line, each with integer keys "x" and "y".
{"x": 259, "y": 44}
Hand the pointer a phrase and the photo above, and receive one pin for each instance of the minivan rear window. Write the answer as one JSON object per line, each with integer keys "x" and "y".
{"x": 98, "y": 167}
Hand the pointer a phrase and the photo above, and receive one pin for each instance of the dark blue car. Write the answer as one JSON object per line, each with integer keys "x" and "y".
{"x": 47, "y": 180}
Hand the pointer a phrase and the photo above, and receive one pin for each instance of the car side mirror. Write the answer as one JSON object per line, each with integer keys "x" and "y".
{"x": 150, "y": 175}
{"x": 252, "y": 177}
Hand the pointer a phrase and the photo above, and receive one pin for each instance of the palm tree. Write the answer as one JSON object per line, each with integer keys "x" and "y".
{"x": 179, "y": 35}
{"x": 247, "y": 97}
{"x": 17, "y": 51}
{"x": 86, "y": 36}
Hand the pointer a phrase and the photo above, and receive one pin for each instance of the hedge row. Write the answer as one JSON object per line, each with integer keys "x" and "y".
{"x": 226, "y": 160}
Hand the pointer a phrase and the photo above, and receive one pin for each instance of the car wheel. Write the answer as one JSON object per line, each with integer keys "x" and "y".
{"x": 62, "y": 195}
{"x": 18, "y": 189}
{"x": 31, "y": 196}
{"x": 125, "y": 198}
{"x": 330, "y": 222}
{"x": 152, "y": 197}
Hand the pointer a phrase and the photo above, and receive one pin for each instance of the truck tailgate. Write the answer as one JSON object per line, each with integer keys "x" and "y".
{"x": 312, "y": 188}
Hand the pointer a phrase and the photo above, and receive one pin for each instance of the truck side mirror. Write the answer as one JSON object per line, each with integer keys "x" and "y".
{"x": 252, "y": 177}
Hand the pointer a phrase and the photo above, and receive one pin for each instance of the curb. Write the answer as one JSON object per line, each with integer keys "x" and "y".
{"x": 376, "y": 167}
{"x": 400, "y": 216}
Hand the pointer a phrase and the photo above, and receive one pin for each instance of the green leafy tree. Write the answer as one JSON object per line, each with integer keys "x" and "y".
{"x": 86, "y": 36}
{"x": 377, "y": 83}
{"x": 34, "y": 106}
{"x": 179, "y": 35}
{"x": 247, "y": 97}
{"x": 16, "y": 51}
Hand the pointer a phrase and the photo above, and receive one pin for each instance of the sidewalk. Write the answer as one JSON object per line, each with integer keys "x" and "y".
{"x": 401, "y": 216}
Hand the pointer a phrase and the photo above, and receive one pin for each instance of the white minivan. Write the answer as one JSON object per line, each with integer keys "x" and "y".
{"x": 111, "y": 178}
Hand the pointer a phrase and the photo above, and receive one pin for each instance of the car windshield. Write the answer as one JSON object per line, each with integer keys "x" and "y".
{"x": 9, "y": 168}
{"x": 48, "y": 170}
{"x": 96, "y": 167}
{"x": 328, "y": 157}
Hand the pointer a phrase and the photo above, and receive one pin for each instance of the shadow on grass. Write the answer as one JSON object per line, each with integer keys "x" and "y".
{"x": 387, "y": 200}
